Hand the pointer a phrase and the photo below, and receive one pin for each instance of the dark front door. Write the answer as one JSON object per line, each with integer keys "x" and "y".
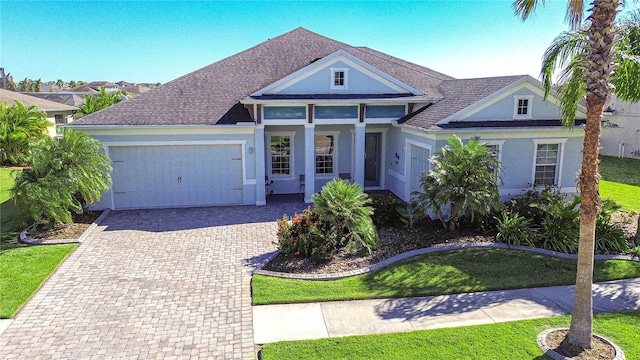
{"x": 372, "y": 159}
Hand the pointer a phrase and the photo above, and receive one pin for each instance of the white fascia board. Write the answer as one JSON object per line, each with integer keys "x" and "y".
{"x": 496, "y": 133}
{"x": 398, "y": 100}
{"x": 327, "y": 60}
{"x": 164, "y": 129}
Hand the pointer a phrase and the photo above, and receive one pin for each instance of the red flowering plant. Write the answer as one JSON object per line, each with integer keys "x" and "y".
{"x": 302, "y": 235}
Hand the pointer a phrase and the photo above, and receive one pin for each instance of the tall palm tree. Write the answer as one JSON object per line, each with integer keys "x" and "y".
{"x": 590, "y": 61}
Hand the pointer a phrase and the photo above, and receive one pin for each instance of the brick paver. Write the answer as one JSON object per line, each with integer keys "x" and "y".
{"x": 170, "y": 283}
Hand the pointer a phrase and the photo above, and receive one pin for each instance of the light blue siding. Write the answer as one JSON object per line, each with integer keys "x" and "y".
{"x": 503, "y": 108}
{"x": 320, "y": 83}
{"x": 284, "y": 112}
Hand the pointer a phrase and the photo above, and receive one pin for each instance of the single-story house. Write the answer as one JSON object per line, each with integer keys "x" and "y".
{"x": 58, "y": 114}
{"x": 624, "y": 139}
{"x": 300, "y": 109}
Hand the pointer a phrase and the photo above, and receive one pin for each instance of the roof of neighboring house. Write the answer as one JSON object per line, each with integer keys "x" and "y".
{"x": 72, "y": 99}
{"x": 9, "y": 98}
{"x": 205, "y": 96}
{"x": 458, "y": 94}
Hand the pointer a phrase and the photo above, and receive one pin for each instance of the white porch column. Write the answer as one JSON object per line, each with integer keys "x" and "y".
{"x": 359, "y": 154}
{"x": 260, "y": 165}
{"x": 309, "y": 161}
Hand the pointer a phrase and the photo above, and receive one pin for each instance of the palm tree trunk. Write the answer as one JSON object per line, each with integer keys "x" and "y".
{"x": 601, "y": 37}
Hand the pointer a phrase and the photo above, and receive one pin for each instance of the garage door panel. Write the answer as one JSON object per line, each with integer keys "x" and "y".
{"x": 164, "y": 176}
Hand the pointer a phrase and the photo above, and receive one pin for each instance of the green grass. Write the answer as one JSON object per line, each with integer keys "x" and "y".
{"x": 450, "y": 272}
{"x": 23, "y": 269}
{"x": 511, "y": 340}
{"x": 13, "y": 219}
{"x": 621, "y": 181}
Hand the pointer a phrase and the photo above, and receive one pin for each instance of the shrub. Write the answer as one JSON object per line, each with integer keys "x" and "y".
{"x": 304, "y": 236}
{"x": 346, "y": 208}
{"x": 516, "y": 230}
{"x": 560, "y": 225}
{"x": 65, "y": 175}
{"x": 535, "y": 195}
{"x": 385, "y": 209}
{"x": 610, "y": 238}
{"x": 20, "y": 126}
{"x": 462, "y": 177}
{"x": 411, "y": 213}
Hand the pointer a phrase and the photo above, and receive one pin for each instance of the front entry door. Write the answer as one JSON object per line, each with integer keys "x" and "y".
{"x": 372, "y": 162}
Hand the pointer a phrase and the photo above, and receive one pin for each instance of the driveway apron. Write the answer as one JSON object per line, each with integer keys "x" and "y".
{"x": 169, "y": 283}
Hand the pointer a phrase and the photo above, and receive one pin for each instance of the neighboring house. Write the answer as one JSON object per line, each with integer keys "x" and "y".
{"x": 92, "y": 87}
{"x": 300, "y": 109}
{"x": 624, "y": 140}
{"x": 68, "y": 98}
{"x": 58, "y": 114}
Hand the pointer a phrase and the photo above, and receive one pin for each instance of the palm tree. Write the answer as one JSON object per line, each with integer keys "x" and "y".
{"x": 60, "y": 83}
{"x": 590, "y": 61}
{"x": 20, "y": 126}
{"x": 104, "y": 99}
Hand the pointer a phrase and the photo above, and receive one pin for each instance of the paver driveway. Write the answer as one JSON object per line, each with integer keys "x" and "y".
{"x": 171, "y": 283}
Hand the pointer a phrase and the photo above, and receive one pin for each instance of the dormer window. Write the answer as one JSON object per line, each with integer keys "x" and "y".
{"x": 339, "y": 78}
{"x": 522, "y": 106}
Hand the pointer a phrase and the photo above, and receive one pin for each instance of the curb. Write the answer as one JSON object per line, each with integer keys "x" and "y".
{"x": 26, "y": 239}
{"x": 423, "y": 251}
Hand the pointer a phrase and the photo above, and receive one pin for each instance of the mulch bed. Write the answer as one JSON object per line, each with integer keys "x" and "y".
{"x": 557, "y": 341}
{"x": 395, "y": 240}
{"x": 66, "y": 231}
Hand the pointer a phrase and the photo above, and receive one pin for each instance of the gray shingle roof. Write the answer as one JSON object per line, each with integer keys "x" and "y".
{"x": 9, "y": 97}
{"x": 204, "y": 96}
{"x": 457, "y": 95}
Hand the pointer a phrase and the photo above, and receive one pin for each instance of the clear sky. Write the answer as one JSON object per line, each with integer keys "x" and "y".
{"x": 157, "y": 41}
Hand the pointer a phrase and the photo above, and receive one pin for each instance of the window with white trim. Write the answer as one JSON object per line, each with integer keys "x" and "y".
{"x": 281, "y": 155}
{"x": 339, "y": 78}
{"x": 325, "y": 152}
{"x": 546, "y": 166}
{"x": 522, "y": 106}
{"x": 494, "y": 149}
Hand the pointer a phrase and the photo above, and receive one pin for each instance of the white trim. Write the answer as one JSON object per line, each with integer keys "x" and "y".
{"x": 407, "y": 163}
{"x": 335, "y": 121}
{"x": 390, "y": 101}
{"x": 396, "y": 175}
{"x": 269, "y": 170}
{"x": 529, "y": 114}
{"x": 506, "y": 133}
{"x": 335, "y": 172}
{"x": 167, "y": 130}
{"x": 284, "y": 122}
{"x": 561, "y": 142}
{"x": 498, "y": 143}
{"x": 345, "y": 57}
{"x": 345, "y": 79}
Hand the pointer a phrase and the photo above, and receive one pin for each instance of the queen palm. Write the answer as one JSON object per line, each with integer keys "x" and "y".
{"x": 589, "y": 57}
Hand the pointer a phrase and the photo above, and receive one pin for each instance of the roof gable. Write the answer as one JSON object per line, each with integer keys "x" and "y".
{"x": 10, "y": 97}
{"x": 315, "y": 78}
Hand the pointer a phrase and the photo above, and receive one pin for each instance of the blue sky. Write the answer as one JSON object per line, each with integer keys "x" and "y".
{"x": 151, "y": 41}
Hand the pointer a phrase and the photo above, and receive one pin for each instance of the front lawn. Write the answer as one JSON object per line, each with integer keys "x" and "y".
{"x": 13, "y": 219}
{"x": 511, "y": 340}
{"x": 23, "y": 269}
{"x": 621, "y": 181}
{"x": 450, "y": 272}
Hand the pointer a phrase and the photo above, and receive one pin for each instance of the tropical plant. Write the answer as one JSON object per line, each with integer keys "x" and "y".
{"x": 534, "y": 195}
{"x": 559, "y": 229}
{"x": 610, "y": 238}
{"x": 304, "y": 235}
{"x": 102, "y": 100}
{"x": 60, "y": 83}
{"x": 411, "y": 213}
{"x": 588, "y": 70}
{"x": 346, "y": 208}
{"x": 462, "y": 177}
{"x": 385, "y": 209}
{"x": 20, "y": 126}
{"x": 65, "y": 175}
{"x": 516, "y": 230}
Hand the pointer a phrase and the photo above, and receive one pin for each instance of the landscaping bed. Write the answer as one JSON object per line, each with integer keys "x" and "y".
{"x": 398, "y": 239}
{"x": 72, "y": 230}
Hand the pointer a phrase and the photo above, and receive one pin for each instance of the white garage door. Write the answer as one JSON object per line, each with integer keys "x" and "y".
{"x": 183, "y": 175}
{"x": 419, "y": 165}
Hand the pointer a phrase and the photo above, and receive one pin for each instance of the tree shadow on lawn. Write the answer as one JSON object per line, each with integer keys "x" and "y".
{"x": 13, "y": 219}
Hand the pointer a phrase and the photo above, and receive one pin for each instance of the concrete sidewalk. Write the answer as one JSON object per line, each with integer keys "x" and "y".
{"x": 273, "y": 323}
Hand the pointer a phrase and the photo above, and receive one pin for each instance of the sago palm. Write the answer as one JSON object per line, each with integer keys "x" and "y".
{"x": 20, "y": 126}
{"x": 589, "y": 59}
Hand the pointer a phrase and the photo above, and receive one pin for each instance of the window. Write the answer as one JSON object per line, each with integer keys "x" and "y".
{"x": 339, "y": 78}
{"x": 284, "y": 112}
{"x": 59, "y": 119}
{"x": 494, "y": 149}
{"x": 547, "y": 156}
{"x": 325, "y": 154}
{"x": 336, "y": 112}
{"x": 522, "y": 106}
{"x": 384, "y": 111}
{"x": 281, "y": 155}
